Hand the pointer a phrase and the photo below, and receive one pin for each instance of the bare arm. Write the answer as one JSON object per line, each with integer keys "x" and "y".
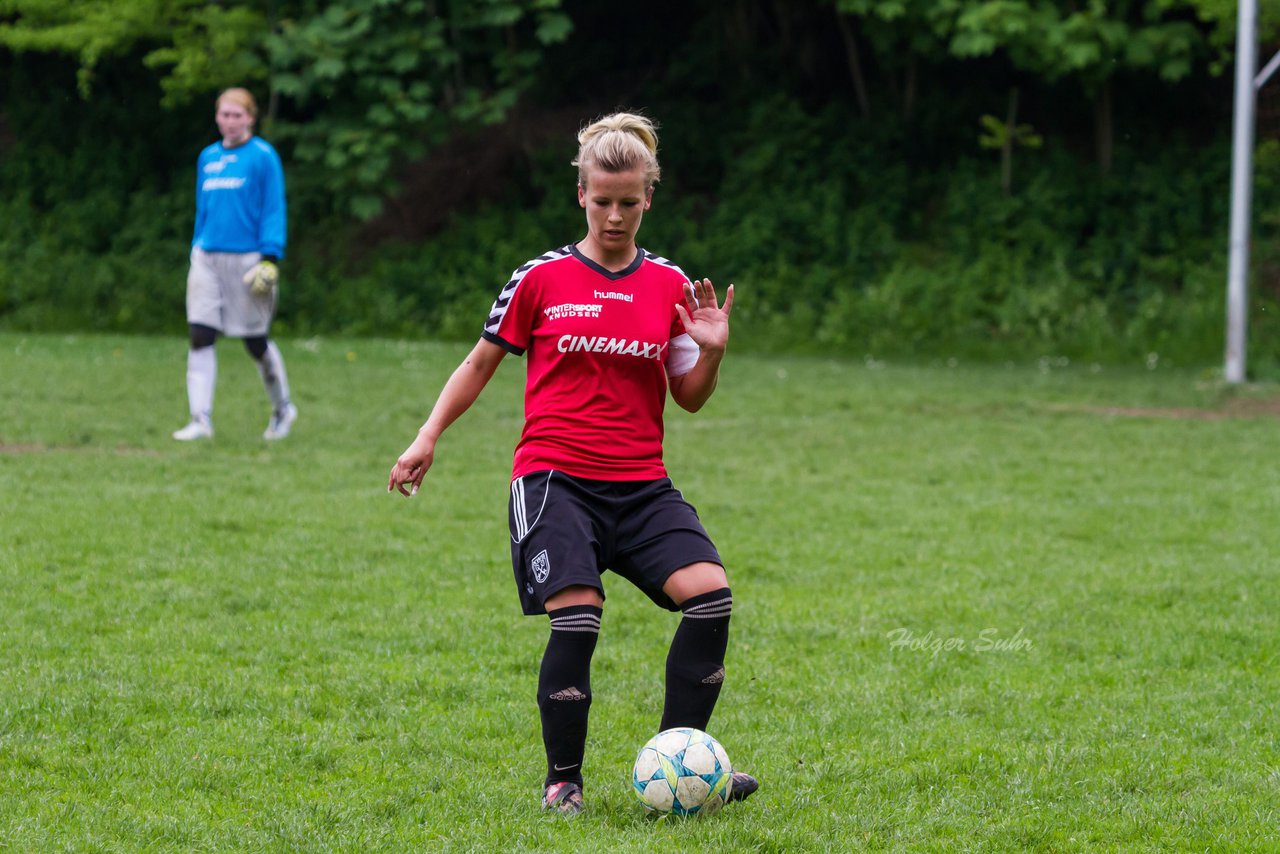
{"x": 708, "y": 325}
{"x": 461, "y": 390}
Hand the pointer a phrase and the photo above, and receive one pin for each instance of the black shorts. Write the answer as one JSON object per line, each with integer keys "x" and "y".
{"x": 567, "y": 531}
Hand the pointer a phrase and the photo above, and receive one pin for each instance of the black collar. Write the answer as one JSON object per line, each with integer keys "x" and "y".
{"x": 609, "y": 274}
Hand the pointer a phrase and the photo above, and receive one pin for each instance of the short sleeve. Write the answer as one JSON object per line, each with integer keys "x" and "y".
{"x": 682, "y": 355}
{"x": 682, "y": 352}
{"x": 510, "y": 323}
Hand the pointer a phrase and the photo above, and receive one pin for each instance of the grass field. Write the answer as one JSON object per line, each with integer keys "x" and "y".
{"x": 989, "y": 608}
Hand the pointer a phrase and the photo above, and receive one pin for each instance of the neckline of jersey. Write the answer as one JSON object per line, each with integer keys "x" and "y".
{"x": 609, "y": 274}
{"x": 226, "y": 147}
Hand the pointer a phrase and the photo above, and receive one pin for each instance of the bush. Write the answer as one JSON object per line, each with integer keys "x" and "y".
{"x": 841, "y": 237}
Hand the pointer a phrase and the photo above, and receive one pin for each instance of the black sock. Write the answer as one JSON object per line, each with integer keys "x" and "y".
{"x": 695, "y": 665}
{"x": 564, "y": 689}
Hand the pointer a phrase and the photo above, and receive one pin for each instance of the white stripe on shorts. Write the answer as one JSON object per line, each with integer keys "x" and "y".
{"x": 517, "y": 508}
{"x": 520, "y": 509}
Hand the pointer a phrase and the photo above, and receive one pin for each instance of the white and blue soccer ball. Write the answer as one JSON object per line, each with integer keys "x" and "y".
{"x": 682, "y": 771}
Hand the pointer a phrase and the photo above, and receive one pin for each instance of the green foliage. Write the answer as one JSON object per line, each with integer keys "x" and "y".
{"x": 869, "y": 256}
{"x": 69, "y": 274}
{"x": 214, "y": 47}
{"x": 204, "y": 42}
{"x": 1222, "y": 15}
{"x": 373, "y": 85}
{"x": 894, "y": 26}
{"x": 944, "y": 262}
{"x": 997, "y": 134}
{"x": 364, "y": 86}
{"x": 888, "y": 237}
{"x": 1090, "y": 41}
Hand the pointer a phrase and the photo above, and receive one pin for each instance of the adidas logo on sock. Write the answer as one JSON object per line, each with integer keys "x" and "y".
{"x": 572, "y": 694}
{"x": 715, "y": 678}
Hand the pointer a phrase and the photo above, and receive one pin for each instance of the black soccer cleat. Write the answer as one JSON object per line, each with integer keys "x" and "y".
{"x": 565, "y": 798}
{"x": 744, "y": 786}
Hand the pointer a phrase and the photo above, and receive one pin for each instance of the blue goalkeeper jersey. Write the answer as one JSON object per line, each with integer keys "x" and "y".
{"x": 240, "y": 199}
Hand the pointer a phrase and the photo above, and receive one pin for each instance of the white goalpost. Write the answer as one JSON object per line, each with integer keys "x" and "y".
{"x": 1246, "y": 94}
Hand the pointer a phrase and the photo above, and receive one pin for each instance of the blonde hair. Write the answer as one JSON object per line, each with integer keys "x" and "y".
{"x": 243, "y": 97}
{"x": 619, "y": 143}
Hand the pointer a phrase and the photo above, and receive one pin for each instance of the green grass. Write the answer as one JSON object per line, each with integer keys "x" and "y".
{"x": 240, "y": 647}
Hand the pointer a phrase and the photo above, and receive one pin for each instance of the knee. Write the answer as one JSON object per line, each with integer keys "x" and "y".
{"x": 696, "y": 579}
{"x": 577, "y": 594}
{"x": 257, "y": 346}
{"x": 202, "y": 336}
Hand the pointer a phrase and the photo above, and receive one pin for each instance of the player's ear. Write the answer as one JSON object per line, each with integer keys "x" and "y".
{"x": 582, "y": 195}
{"x": 648, "y": 197}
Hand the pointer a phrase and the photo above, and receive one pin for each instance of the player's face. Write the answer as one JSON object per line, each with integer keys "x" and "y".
{"x": 234, "y": 122}
{"x": 615, "y": 202}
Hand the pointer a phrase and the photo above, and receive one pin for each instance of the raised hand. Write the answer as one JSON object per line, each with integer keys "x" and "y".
{"x": 704, "y": 319}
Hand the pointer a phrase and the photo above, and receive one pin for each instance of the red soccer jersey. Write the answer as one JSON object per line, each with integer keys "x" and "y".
{"x": 600, "y": 346}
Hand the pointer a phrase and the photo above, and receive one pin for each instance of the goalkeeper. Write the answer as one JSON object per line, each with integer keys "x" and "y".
{"x": 231, "y": 286}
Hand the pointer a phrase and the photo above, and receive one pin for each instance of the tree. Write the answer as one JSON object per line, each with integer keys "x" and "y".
{"x": 1088, "y": 41}
{"x": 354, "y": 86}
{"x": 374, "y": 84}
{"x": 899, "y": 32}
{"x": 178, "y": 31}
{"x": 1005, "y": 136}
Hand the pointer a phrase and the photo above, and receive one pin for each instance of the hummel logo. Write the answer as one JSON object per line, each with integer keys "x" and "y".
{"x": 715, "y": 678}
{"x": 568, "y": 694}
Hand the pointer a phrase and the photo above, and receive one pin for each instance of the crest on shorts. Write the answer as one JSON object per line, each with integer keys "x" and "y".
{"x": 541, "y": 566}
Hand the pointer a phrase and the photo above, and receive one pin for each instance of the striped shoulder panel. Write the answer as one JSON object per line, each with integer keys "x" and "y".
{"x": 509, "y": 289}
{"x": 658, "y": 259}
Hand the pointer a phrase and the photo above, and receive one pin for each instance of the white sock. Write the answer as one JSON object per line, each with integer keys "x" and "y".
{"x": 274, "y": 378}
{"x": 202, "y": 374}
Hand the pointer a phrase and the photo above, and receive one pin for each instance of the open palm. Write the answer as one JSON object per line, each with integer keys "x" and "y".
{"x": 706, "y": 321}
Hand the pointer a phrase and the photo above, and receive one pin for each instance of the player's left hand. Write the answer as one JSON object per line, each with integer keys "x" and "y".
{"x": 262, "y": 277}
{"x": 706, "y": 321}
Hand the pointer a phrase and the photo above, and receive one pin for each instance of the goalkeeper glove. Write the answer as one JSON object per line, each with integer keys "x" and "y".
{"x": 262, "y": 277}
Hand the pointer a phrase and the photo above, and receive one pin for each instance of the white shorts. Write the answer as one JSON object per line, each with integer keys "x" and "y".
{"x": 217, "y": 296}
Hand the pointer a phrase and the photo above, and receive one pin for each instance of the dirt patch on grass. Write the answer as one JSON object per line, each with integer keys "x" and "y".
{"x": 1234, "y": 408}
{"x": 19, "y": 448}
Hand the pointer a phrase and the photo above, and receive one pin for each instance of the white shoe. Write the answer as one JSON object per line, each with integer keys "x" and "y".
{"x": 281, "y": 423}
{"x": 197, "y": 429}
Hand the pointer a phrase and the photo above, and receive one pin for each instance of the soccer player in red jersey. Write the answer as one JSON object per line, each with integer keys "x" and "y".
{"x": 608, "y": 329}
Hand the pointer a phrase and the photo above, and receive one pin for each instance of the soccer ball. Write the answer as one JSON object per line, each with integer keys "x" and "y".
{"x": 682, "y": 771}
